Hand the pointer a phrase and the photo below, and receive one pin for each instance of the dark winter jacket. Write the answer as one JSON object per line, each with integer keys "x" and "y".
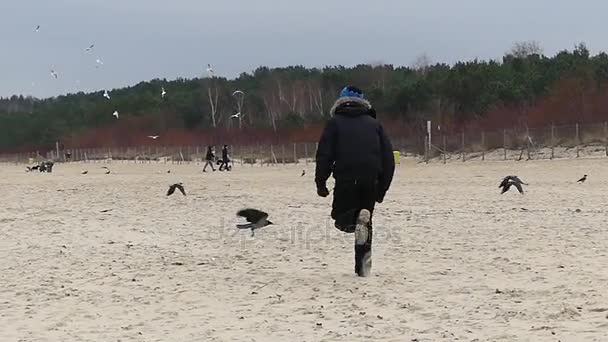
{"x": 210, "y": 155}
{"x": 354, "y": 146}
{"x": 225, "y": 154}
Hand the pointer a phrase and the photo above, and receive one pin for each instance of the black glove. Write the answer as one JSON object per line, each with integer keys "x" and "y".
{"x": 322, "y": 190}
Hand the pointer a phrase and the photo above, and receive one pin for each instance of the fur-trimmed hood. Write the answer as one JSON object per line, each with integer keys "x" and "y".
{"x": 351, "y": 106}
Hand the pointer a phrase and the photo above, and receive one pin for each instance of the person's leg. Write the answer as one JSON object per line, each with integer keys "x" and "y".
{"x": 364, "y": 231}
{"x": 345, "y": 207}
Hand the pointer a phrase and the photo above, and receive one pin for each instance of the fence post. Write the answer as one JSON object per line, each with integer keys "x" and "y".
{"x": 504, "y": 143}
{"x": 463, "y": 153}
{"x": 552, "y": 141}
{"x": 529, "y": 142}
{"x": 306, "y": 153}
{"x": 283, "y": 154}
{"x": 295, "y": 153}
{"x": 445, "y": 149}
{"x": 606, "y": 137}
{"x": 426, "y": 149}
{"x": 578, "y": 141}
{"x": 272, "y": 154}
{"x": 483, "y": 145}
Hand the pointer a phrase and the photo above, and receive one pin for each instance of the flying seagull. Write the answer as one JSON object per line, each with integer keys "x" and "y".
{"x": 257, "y": 219}
{"x": 89, "y": 48}
{"x": 54, "y": 74}
{"x": 37, "y": 28}
{"x": 107, "y": 170}
{"x": 163, "y": 92}
{"x": 115, "y": 114}
{"x": 99, "y": 63}
{"x": 582, "y": 180}
{"x": 179, "y": 186}
{"x": 236, "y": 115}
{"x": 84, "y": 172}
{"x": 106, "y": 94}
{"x": 154, "y": 137}
{"x": 303, "y": 173}
{"x": 509, "y": 181}
{"x": 210, "y": 69}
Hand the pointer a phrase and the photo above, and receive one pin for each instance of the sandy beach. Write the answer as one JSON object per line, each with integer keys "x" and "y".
{"x": 110, "y": 258}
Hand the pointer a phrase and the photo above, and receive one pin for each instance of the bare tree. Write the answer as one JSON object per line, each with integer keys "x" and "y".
{"x": 379, "y": 68}
{"x": 315, "y": 94}
{"x": 525, "y": 49}
{"x": 422, "y": 63}
{"x": 240, "y": 98}
{"x": 213, "y": 101}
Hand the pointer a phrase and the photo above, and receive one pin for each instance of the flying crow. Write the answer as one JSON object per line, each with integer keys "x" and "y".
{"x": 257, "y": 219}
{"x": 509, "y": 181}
{"x": 179, "y": 186}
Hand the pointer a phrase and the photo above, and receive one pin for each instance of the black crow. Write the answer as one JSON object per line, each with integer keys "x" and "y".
{"x": 257, "y": 219}
{"x": 179, "y": 186}
{"x": 509, "y": 181}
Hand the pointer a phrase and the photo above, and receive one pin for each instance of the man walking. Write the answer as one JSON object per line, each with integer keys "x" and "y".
{"x": 356, "y": 150}
{"x": 225, "y": 159}
{"x": 210, "y": 158}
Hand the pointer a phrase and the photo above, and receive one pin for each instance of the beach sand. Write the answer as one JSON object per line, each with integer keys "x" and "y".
{"x": 452, "y": 261}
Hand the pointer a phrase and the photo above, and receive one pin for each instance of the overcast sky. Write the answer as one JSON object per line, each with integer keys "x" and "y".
{"x": 144, "y": 39}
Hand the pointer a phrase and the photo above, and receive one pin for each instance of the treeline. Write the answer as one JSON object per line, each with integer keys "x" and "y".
{"x": 525, "y": 88}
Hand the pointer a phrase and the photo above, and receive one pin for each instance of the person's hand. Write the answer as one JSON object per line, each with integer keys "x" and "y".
{"x": 322, "y": 190}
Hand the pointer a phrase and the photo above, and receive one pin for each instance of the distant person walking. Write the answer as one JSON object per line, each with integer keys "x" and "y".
{"x": 355, "y": 149}
{"x": 210, "y": 158}
{"x": 225, "y": 159}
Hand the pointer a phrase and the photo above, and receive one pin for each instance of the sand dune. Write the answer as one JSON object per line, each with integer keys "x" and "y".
{"x": 453, "y": 260}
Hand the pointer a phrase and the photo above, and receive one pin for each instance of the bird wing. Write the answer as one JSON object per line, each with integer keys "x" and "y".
{"x": 516, "y": 179}
{"x": 519, "y": 188}
{"x": 252, "y": 215}
{"x": 171, "y": 190}
{"x": 505, "y": 188}
{"x": 582, "y": 179}
{"x": 181, "y": 188}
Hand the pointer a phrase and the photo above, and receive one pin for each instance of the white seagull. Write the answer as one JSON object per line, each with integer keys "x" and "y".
{"x": 210, "y": 69}
{"x": 236, "y": 115}
{"x": 106, "y": 95}
{"x": 99, "y": 63}
{"x": 54, "y": 73}
{"x": 115, "y": 114}
{"x": 37, "y": 28}
{"x": 89, "y": 48}
{"x": 163, "y": 92}
{"x": 154, "y": 137}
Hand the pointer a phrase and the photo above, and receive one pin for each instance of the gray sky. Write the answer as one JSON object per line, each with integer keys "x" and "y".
{"x": 144, "y": 39}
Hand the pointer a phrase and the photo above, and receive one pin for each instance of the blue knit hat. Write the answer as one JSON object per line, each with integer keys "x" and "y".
{"x": 351, "y": 91}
